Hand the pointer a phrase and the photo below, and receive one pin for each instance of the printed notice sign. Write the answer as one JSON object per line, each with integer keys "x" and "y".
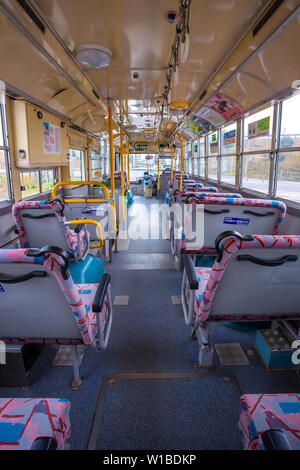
{"x": 230, "y": 137}
{"x": 51, "y": 136}
{"x": 259, "y": 128}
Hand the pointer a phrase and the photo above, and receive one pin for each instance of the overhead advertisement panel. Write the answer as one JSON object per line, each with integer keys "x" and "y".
{"x": 216, "y": 112}
{"x": 227, "y": 107}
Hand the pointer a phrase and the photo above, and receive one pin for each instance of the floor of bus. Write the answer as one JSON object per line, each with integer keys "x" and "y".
{"x": 149, "y": 335}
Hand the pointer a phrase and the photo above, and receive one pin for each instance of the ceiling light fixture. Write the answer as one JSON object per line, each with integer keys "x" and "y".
{"x": 93, "y": 57}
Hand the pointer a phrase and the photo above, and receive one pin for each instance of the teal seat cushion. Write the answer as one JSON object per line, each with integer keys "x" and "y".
{"x": 88, "y": 271}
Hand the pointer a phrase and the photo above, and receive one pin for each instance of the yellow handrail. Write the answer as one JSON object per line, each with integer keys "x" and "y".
{"x": 94, "y": 222}
{"x": 112, "y": 167}
{"x": 81, "y": 183}
{"x": 128, "y": 167}
{"x": 172, "y": 158}
{"x": 158, "y": 171}
{"x": 122, "y": 173}
{"x": 181, "y": 160}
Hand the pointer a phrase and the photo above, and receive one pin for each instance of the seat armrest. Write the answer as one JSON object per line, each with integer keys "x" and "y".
{"x": 275, "y": 439}
{"x": 101, "y": 293}
{"x": 44, "y": 443}
{"x": 190, "y": 271}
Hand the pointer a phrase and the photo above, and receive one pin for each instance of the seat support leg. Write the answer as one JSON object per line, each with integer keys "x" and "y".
{"x": 206, "y": 350}
{"x": 76, "y": 382}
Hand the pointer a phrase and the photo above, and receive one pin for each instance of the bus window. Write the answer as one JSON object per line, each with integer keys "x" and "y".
{"x": 228, "y": 165}
{"x": 47, "y": 180}
{"x": 212, "y": 168}
{"x": 290, "y": 123}
{"x": 256, "y": 169}
{"x": 202, "y": 167}
{"x": 288, "y": 171}
{"x": 30, "y": 183}
{"x": 228, "y": 154}
{"x": 95, "y": 164}
{"x": 4, "y": 194}
{"x": 76, "y": 165}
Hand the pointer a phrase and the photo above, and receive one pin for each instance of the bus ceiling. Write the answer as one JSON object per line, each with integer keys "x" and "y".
{"x": 159, "y": 76}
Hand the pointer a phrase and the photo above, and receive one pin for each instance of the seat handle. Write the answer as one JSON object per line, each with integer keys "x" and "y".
{"x": 101, "y": 293}
{"x": 267, "y": 262}
{"x": 36, "y": 252}
{"x": 25, "y": 277}
{"x": 223, "y": 211}
{"x": 41, "y": 216}
{"x": 258, "y": 214}
{"x": 229, "y": 233}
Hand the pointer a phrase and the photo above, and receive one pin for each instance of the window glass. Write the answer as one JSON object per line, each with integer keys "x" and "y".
{"x": 47, "y": 180}
{"x": 76, "y": 165}
{"x": 30, "y": 184}
{"x": 95, "y": 164}
{"x": 212, "y": 168}
{"x": 202, "y": 146}
{"x": 258, "y": 130}
{"x": 288, "y": 179}
{"x": 290, "y": 123}
{"x": 228, "y": 139}
{"x": 4, "y": 194}
{"x": 202, "y": 167}
{"x": 1, "y": 127}
{"x": 213, "y": 147}
{"x": 228, "y": 166}
{"x": 256, "y": 170}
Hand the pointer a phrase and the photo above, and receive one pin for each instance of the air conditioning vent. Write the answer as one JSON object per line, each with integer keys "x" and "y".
{"x": 266, "y": 17}
{"x": 32, "y": 15}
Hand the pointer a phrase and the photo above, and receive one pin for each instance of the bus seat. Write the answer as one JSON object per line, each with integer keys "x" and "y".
{"x": 263, "y": 413}
{"x": 254, "y": 277}
{"x": 260, "y": 216}
{"x": 42, "y": 223}
{"x": 26, "y": 421}
{"x": 254, "y": 219}
{"x": 40, "y": 303}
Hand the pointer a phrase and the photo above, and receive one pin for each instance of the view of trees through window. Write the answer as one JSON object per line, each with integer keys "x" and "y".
{"x": 3, "y": 178}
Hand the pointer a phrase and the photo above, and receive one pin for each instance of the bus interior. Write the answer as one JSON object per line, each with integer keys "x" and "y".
{"x": 149, "y": 225}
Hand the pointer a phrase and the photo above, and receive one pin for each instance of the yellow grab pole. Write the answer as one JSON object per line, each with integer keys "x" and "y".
{"x": 181, "y": 159}
{"x": 128, "y": 167}
{"x": 112, "y": 166}
{"x": 158, "y": 172}
{"x": 81, "y": 183}
{"x": 98, "y": 229}
{"x": 122, "y": 173}
{"x": 128, "y": 164}
{"x": 172, "y": 158}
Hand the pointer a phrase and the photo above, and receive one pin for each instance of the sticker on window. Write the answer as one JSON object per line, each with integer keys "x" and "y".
{"x": 236, "y": 221}
{"x": 1, "y": 289}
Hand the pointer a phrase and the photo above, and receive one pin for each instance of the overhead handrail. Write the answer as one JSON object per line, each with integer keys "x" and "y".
{"x": 81, "y": 183}
{"x": 98, "y": 229}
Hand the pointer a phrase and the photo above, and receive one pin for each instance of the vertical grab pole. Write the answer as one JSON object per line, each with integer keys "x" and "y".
{"x": 181, "y": 159}
{"x": 128, "y": 163}
{"x": 158, "y": 171}
{"x": 172, "y": 158}
{"x": 112, "y": 166}
{"x": 122, "y": 173}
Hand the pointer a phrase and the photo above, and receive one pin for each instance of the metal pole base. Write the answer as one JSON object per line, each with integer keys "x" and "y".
{"x": 76, "y": 384}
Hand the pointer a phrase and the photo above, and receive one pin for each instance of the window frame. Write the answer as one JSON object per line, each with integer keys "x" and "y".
{"x": 39, "y": 171}
{"x": 6, "y": 150}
